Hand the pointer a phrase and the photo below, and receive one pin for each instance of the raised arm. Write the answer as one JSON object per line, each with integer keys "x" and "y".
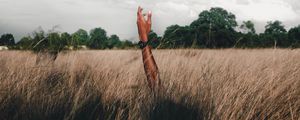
{"x": 151, "y": 69}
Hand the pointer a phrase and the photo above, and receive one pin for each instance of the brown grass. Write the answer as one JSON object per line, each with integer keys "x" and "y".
{"x": 197, "y": 84}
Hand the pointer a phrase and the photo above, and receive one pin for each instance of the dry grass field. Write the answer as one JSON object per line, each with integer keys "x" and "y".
{"x": 197, "y": 84}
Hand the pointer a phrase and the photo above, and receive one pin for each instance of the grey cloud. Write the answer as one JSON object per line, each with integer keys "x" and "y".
{"x": 295, "y": 4}
{"x": 116, "y": 16}
{"x": 243, "y": 2}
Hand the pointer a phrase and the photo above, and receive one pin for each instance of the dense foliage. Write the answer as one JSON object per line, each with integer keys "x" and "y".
{"x": 217, "y": 28}
{"x": 214, "y": 28}
{"x": 54, "y": 41}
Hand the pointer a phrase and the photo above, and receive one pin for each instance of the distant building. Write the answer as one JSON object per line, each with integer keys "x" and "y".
{"x": 3, "y": 48}
{"x": 83, "y": 47}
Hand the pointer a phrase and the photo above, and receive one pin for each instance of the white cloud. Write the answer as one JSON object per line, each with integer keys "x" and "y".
{"x": 264, "y": 10}
{"x": 118, "y": 16}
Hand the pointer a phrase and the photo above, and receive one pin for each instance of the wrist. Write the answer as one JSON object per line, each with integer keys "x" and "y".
{"x": 144, "y": 38}
{"x": 143, "y": 44}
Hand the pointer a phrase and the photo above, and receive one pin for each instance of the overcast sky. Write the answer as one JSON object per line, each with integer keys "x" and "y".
{"x": 21, "y": 17}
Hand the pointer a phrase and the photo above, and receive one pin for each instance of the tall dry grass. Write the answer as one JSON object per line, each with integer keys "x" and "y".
{"x": 197, "y": 84}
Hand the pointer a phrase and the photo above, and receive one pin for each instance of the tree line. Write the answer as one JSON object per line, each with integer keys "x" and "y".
{"x": 218, "y": 28}
{"x": 214, "y": 28}
{"x": 52, "y": 40}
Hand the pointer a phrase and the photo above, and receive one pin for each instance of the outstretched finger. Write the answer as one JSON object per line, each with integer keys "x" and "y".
{"x": 139, "y": 10}
{"x": 149, "y": 21}
{"x": 149, "y": 17}
{"x": 139, "y": 13}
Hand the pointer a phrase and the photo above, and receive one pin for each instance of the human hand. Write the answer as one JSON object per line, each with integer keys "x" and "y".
{"x": 144, "y": 26}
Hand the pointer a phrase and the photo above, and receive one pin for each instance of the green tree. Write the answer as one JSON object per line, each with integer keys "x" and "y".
{"x": 168, "y": 40}
{"x": 274, "y": 27}
{"x": 214, "y": 28}
{"x": 25, "y": 43}
{"x": 248, "y": 27}
{"x": 177, "y": 37}
{"x": 55, "y": 44}
{"x": 7, "y": 40}
{"x": 44, "y": 42}
{"x": 294, "y": 36}
{"x": 247, "y": 40}
{"x": 80, "y": 37}
{"x": 275, "y": 35}
{"x": 127, "y": 44}
{"x": 39, "y": 41}
{"x": 248, "y": 37}
{"x": 66, "y": 39}
{"x": 98, "y": 39}
{"x": 113, "y": 42}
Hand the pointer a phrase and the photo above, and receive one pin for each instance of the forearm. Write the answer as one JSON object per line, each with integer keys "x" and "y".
{"x": 150, "y": 67}
{"x": 151, "y": 70}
